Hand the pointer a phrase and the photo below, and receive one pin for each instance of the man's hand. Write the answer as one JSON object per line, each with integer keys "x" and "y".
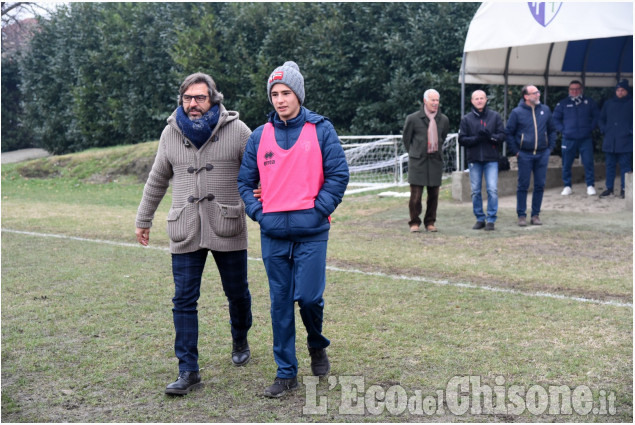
{"x": 143, "y": 236}
{"x": 257, "y": 193}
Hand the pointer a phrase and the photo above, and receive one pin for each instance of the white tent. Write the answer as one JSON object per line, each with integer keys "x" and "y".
{"x": 549, "y": 44}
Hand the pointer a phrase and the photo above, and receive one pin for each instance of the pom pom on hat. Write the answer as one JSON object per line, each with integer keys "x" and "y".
{"x": 288, "y": 74}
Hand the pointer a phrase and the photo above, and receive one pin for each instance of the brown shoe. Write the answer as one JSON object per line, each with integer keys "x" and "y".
{"x": 414, "y": 229}
{"x": 431, "y": 228}
{"x": 522, "y": 221}
{"x": 535, "y": 220}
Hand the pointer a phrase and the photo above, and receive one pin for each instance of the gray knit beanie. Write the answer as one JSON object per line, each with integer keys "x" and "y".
{"x": 289, "y": 74}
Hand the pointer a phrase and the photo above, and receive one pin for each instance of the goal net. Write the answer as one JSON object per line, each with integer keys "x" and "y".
{"x": 378, "y": 162}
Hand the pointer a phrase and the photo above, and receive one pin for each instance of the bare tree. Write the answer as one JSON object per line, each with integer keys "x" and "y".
{"x": 14, "y": 11}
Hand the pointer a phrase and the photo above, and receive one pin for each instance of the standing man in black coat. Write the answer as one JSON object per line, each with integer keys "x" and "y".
{"x": 481, "y": 132}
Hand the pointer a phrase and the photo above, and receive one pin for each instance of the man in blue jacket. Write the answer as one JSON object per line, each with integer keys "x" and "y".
{"x": 616, "y": 123}
{"x": 298, "y": 160}
{"x": 531, "y": 136}
{"x": 575, "y": 117}
{"x": 481, "y": 132}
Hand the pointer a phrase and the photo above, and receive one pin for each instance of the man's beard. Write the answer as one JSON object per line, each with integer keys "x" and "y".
{"x": 194, "y": 108}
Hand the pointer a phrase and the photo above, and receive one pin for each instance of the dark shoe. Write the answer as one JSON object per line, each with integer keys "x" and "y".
{"x": 535, "y": 220}
{"x": 281, "y": 386}
{"x": 607, "y": 192}
{"x": 320, "y": 365}
{"x": 478, "y": 225}
{"x": 522, "y": 221}
{"x": 240, "y": 353}
{"x": 187, "y": 381}
{"x": 489, "y": 226}
{"x": 622, "y": 195}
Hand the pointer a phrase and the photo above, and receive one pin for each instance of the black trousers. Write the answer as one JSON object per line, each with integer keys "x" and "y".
{"x": 415, "y": 206}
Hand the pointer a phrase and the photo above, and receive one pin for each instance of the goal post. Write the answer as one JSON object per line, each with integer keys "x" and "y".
{"x": 378, "y": 162}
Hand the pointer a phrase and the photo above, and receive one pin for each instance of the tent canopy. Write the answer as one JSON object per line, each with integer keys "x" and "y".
{"x": 549, "y": 43}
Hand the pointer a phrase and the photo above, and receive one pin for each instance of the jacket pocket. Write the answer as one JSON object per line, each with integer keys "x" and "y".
{"x": 307, "y": 222}
{"x": 227, "y": 220}
{"x": 177, "y": 224}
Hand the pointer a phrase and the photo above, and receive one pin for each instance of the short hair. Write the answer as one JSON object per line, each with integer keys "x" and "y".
{"x": 428, "y": 92}
{"x": 215, "y": 96}
{"x": 479, "y": 90}
{"x": 575, "y": 82}
{"x": 525, "y": 90}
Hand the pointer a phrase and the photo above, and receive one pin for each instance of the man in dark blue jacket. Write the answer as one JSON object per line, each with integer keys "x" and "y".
{"x": 616, "y": 123}
{"x": 481, "y": 132}
{"x": 531, "y": 136}
{"x": 299, "y": 162}
{"x": 575, "y": 117}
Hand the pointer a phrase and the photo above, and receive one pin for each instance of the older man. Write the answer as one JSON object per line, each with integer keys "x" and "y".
{"x": 481, "y": 132}
{"x": 531, "y": 135}
{"x": 201, "y": 150}
{"x": 423, "y": 136}
{"x": 575, "y": 117}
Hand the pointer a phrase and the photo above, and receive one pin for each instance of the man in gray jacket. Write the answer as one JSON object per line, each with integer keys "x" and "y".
{"x": 423, "y": 135}
{"x": 201, "y": 150}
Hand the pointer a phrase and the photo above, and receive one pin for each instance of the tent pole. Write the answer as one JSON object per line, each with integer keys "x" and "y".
{"x": 460, "y": 165}
{"x": 506, "y": 76}
{"x": 547, "y": 71}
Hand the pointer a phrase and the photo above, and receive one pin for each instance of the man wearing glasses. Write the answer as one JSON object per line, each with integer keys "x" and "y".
{"x": 531, "y": 136}
{"x": 201, "y": 150}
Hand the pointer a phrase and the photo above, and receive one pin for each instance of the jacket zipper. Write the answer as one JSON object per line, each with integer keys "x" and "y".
{"x": 533, "y": 114}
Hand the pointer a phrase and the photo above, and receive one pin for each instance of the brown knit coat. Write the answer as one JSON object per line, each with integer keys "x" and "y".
{"x": 217, "y": 224}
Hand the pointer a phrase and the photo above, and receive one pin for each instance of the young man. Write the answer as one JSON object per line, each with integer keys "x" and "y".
{"x": 481, "y": 132}
{"x": 616, "y": 123}
{"x": 298, "y": 160}
{"x": 531, "y": 135}
{"x": 575, "y": 117}
{"x": 200, "y": 150}
{"x": 423, "y": 135}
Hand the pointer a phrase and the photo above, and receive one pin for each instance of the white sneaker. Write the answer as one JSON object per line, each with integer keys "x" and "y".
{"x": 566, "y": 191}
{"x": 590, "y": 190}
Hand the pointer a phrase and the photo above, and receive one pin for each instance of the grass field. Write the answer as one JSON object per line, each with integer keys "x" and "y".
{"x": 413, "y": 318}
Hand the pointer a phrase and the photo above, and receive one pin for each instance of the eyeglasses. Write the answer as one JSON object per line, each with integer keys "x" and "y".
{"x": 200, "y": 98}
{"x": 534, "y": 92}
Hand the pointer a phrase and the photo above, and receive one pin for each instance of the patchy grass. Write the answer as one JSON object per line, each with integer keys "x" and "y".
{"x": 87, "y": 330}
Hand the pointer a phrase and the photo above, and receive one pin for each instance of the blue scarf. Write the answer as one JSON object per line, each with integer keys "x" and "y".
{"x": 198, "y": 131}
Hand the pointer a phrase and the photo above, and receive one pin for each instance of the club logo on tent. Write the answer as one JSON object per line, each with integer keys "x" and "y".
{"x": 544, "y": 12}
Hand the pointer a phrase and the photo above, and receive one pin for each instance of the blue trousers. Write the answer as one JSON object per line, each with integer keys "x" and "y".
{"x": 570, "y": 148}
{"x": 188, "y": 270}
{"x": 490, "y": 170}
{"x": 528, "y": 164}
{"x": 296, "y": 272}
{"x": 625, "y": 160}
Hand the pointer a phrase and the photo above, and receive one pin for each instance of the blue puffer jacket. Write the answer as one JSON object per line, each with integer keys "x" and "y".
{"x": 576, "y": 121}
{"x": 530, "y": 129}
{"x": 301, "y": 225}
{"x": 616, "y": 123}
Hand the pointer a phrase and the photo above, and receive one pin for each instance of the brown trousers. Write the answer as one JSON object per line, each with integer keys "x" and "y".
{"x": 415, "y": 206}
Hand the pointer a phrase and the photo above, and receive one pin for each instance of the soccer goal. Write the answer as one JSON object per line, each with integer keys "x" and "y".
{"x": 379, "y": 162}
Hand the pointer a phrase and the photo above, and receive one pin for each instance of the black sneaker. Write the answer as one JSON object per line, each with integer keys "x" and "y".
{"x": 622, "y": 194}
{"x": 320, "y": 365}
{"x": 489, "y": 226}
{"x": 281, "y": 386}
{"x": 607, "y": 192}
{"x": 478, "y": 225}
{"x": 240, "y": 353}
{"x": 186, "y": 382}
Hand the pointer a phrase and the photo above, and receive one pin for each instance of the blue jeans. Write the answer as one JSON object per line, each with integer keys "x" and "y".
{"x": 490, "y": 170}
{"x": 296, "y": 272}
{"x": 570, "y": 148}
{"x": 528, "y": 164}
{"x": 187, "y": 270}
{"x": 625, "y": 160}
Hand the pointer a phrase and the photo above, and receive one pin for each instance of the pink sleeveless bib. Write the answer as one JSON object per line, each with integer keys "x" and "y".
{"x": 290, "y": 179}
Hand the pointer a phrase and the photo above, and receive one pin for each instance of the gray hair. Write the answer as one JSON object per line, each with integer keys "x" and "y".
{"x": 430, "y": 91}
{"x": 215, "y": 96}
